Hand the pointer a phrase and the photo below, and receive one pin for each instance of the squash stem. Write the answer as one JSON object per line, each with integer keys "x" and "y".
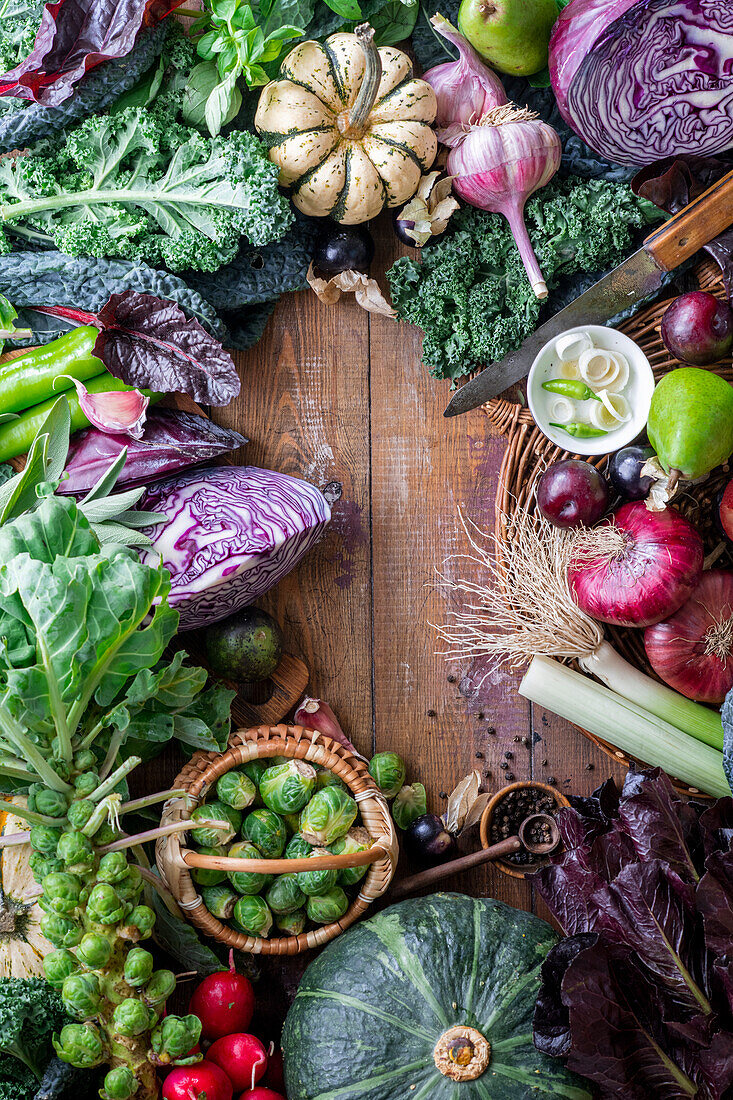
{"x": 359, "y": 113}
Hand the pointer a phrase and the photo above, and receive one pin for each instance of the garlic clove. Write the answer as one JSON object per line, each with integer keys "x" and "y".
{"x": 561, "y": 410}
{"x": 598, "y": 368}
{"x": 570, "y": 346}
{"x": 610, "y": 412}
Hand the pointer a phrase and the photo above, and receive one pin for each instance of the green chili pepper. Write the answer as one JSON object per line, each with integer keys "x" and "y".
{"x": 17, "y": 436}
{"x": 571, "y": 387}
{"x": 33, "y": 377}
{"x": 580, "y": 431}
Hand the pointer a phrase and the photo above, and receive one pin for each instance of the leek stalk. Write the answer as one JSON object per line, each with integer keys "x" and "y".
{"x": 633, "y": 729}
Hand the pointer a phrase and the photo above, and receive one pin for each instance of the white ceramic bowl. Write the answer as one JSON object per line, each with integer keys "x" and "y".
{"x": 638, "y": 392}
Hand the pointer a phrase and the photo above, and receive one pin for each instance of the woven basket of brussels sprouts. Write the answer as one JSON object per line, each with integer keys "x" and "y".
{"x": 308, "y": 842}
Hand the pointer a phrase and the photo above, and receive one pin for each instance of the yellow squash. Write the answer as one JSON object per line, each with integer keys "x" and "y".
{"x": 349, "y": 126}
{"x": 22, "y": 946}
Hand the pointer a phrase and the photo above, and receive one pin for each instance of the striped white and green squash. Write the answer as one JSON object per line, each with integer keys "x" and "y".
{"x": 348, "y": 126}
{"x": 431, "y": 999}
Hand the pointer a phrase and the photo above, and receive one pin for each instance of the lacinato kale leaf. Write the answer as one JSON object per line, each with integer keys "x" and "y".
{"x": 469, "y": 292}
{"x": 140, "y": 186}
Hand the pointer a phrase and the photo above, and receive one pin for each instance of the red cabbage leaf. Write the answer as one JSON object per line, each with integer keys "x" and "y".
{"x": 74, "y": 37}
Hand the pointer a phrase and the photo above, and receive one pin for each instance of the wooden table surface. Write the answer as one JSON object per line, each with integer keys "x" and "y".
{"x": 335, "y": 395}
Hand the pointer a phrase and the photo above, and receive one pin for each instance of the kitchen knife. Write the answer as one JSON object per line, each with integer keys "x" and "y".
{"x": 633, "y": 280}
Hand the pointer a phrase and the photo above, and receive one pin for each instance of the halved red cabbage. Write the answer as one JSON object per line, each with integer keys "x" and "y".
{"x": 232, "y": 532}
{"x": 639, "y": 80}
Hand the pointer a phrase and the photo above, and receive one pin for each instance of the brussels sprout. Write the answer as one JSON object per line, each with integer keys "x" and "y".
{"x": 86, "y": 784}
{"x": 285, "y": 895}
{"x": 252, "y": 915}
{"x": 327, "y": 907}
{"x": 81, "y": 995}
{"x": 33, "y": 791}
{"x": 287, "y": 787}
{"x": 85, "y": 761}
{"x": 131, "y": 886}
{"x": 119, "y": 1084}
{"x": 159, "y": 988}
{"x": 218, "y": 812}
{"x": 77, "y": 852}
{"x": 202, "y": 876}
{"x": 328, "y": 816}
{"x": 80, "y": 812}
{"x": 57, "y": 966}
{"x": 138, "y": 967}
{"x": 219, "y": 900}
{"x": 410, "y": 803}
{"x": 51, "y": 803}
{"x": 298, "y": 848}
{"x": 105, "y": 905}
{"x": 42, "y": 865}
{"x": 61, "y": 892}
{"x": 387, "y": 769}
{"x": 266, "y": 830}
{"x": 174, "y": 1036}
{"x": 131, "y": 1017}
{"x": 113, "y": 867}
{"x": 247, "y": 882}
{"x": 94, "y": 950}
{"x": 326, "y": 778}
{"x": 292, "y": 924}
{"x": 356, "y": 840}
{"x": 319, "y": 880}
{"x": 292, "y": 821}
{"x": 142, "y": 919}
{"x": 61, "y": 931}
{"x": 255, "y": 769}
{"x": 105, "y": 834}
{"x": 80, "y": 1045}
{"x": 45, "y": 840}
{"x": 236, "y": 789}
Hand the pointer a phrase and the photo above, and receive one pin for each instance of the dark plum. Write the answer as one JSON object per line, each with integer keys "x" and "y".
{"x": 572, "y": 493}
{"x": 624, "y": 471}
{"x": 343, "y": 248}
{"x": 725, "y": 511}
{"x": 698, "y": 328}
{"x": 428, "y": 840}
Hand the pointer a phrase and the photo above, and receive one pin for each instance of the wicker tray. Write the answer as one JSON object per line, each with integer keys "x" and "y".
{"x": 529, "y": 452}
{"x": 198, "y": 776}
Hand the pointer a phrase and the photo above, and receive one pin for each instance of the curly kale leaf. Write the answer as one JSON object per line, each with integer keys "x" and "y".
{"x": 137, "y": 185}
{"x": 30, "y": 1012}
{"x": 470, "y": 293}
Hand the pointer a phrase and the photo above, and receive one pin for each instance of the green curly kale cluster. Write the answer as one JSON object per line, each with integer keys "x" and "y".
{"x": 470, "y": 292}
{"x": 30, "y": 1012}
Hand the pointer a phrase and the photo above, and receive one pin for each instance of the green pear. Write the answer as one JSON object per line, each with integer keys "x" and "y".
{"x": 512, "y": 35}
{"x": 690, "y": 422}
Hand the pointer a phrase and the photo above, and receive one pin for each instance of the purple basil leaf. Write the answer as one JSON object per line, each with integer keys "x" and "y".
{"x": 568, "y": 888}
{"x": 150, "y": 343}
{"x": 551, "y": 1024}
{"x": 714, "y": 899}
{"x": 171, "y": 441}
{"x": 649, "y": 908}
{"x": 660, "y": 824}
{"x": 73, "y": 38}
{"x": 716, "y": 826}
{"x": 615, "y": 1040}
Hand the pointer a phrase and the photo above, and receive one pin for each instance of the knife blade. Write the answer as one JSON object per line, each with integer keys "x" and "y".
{"x": 631, "y": 282}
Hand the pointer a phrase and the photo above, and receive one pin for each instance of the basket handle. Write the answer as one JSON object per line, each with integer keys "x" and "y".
{"x": 286, "y": 866}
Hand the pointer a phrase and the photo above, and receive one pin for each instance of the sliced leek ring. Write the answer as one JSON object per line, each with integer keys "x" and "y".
{"x": 567, "y": 369}
{"x": 610, "y": 412}
{"x": 622, "y": 378}
{"x": 561, "y": 410}
{"x": 570, "y": 346}
{"x": 598, "y": 368}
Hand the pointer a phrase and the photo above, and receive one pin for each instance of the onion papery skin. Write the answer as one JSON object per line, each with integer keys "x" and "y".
{"x": 676, "y": 648}
{"x": 655, "y": 575}
{"x": 639, "y": 80}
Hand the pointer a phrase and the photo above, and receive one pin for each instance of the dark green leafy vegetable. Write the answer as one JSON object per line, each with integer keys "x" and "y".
{"x": 30, "y": 1012}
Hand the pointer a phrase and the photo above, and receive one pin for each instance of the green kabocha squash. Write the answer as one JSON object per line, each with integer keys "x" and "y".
{"x": 348, "y": 126}
{"x": 431, "y": 999}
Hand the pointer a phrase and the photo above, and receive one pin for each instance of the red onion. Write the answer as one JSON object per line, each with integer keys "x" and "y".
{"x": 465, "y": 89}
{"x": 692, "y": 651}
{"x": 637, "y": 568}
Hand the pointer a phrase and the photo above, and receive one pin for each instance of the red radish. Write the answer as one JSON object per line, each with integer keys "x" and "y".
{"x": 224, "y": 1002}
{"x": 242, "y": 1057}
{"x": 275, "y": 1076}
{"x": 203, "y": 1080}
{"x": 261, "y": 1092}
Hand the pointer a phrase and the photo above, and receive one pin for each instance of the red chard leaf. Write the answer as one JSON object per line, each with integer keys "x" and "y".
{"x": 149, "y": 343}
{"x": 74, "y": 37}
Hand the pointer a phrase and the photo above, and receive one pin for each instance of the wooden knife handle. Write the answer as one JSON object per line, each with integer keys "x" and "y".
{"x": 691, "y": 228}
